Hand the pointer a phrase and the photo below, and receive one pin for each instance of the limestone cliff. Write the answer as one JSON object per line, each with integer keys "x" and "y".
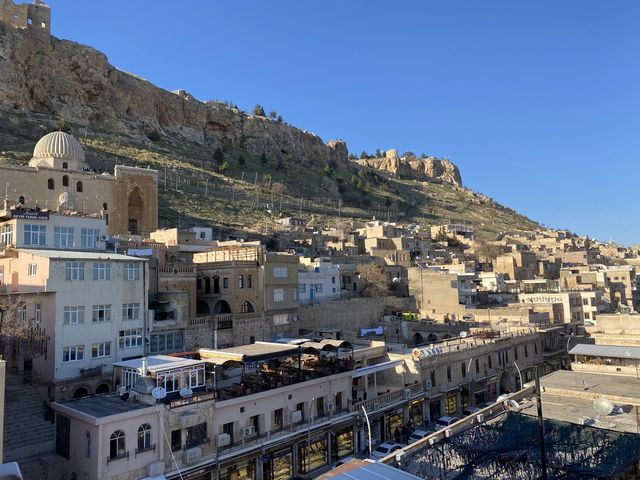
{"x": 39, "y": 73}
{"x": 409, "y": 166}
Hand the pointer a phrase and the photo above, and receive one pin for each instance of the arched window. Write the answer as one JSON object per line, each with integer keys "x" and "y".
{"x": 65, "y": 165}
{"x": 144, "y": 437}
{"x": 116, "y": 445}
{"x": 79, "y": 187}
{"x": 104, "y": 206}
{"x": 65, "y": 181}
{"x": 246, "y": 307}
{"x": 21, "y": 200}
{"x": 51, "y": 184}
{"x": 87, "y": 450}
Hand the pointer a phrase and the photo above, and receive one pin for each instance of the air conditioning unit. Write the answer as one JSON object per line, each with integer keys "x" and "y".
{"x": 247, "y": 431}
{"x": 407, "y": 393}
{"x": 155, "y": 469}
{"x": 428, "y": 384}
{"x": 330, "y": 406}
{"x": 192, "y": 455}
{"x": 223, "y": 440}
{"x": 104, "y": 238}
{"x": 296, "y": 416}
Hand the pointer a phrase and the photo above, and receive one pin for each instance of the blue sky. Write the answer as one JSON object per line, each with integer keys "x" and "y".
{"x": 537, "y": 102}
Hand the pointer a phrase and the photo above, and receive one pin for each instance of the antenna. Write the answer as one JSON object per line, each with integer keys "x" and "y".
{"x": 159, "y": 393}
{"x": 603, "y": 406}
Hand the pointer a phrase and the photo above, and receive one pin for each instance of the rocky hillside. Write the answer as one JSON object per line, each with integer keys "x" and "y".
{"x": 217, "y": 164}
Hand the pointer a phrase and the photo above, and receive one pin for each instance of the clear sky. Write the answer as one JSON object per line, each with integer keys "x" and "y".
{"x": 537, "y": 102}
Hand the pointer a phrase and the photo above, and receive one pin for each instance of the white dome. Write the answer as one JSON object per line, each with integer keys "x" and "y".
{"x": 59, "y": 146}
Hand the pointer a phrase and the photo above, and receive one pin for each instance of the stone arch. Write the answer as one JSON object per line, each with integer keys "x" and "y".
{"x": 222, "y": 306}
{"x": 252, "y": 339}
{"x": 65, "y": 180}
{"x": 51, "y": 184}
{"x": 246, "y": 307}
{"x": 80, "y": 392}
{"x": 202, "y": 308}
{"x": 135, "y": 208}
{"x": 79, "y": 187}
{"x": 418, "y": 339}
{"x": 102, "y": 388}
{"x": 432, "y": 337}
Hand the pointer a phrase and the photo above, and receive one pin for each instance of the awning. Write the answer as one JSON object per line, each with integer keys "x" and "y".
{"x": 255, "y": 352}
{"x": 610, "y": 351}
{"x": 361, "y": 372}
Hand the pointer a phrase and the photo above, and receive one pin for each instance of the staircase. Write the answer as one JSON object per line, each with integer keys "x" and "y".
{"x": 27, "y": 433}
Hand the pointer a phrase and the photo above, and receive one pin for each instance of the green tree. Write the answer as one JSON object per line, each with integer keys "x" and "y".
{"x": 279, "y": 118}
{"x": 258, "y": 111}
{"x": 328, "y": 171}
{"x": 273, "y": 114}
{"x": 154, "y": 136}
{"x": 218, "y": 156}
{"x": 263, "y": 158}
{"x": 378, "y": 153}
{"x": 223, "y": 167}
{"x": 364, "y": 154}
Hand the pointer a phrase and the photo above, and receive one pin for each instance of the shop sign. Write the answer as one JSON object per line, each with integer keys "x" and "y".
{"x": 29, "y": 214}
{"x": 181, "y": 402}
{"x": 200, "y": 471}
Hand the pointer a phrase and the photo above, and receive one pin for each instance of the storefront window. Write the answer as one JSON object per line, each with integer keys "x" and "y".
{"x": 239, "y": 471}
{"x": 395, "y": 420}
{"x": 343, "y": 444}
{"x": 415, "y": 412}
{"x": 280, "y": 466}
{"x": 451, "y": 404}
{"x": 313, "y": 456}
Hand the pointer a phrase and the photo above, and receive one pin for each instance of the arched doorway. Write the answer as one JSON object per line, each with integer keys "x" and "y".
{"x": 103, "y": 388}
{"x": 202, "y": 308}
{"x": 80, "y": 392}
{"x": 418, "y": 339}
{"x": 135, "y": 209}
{"x": 221, "y": 307}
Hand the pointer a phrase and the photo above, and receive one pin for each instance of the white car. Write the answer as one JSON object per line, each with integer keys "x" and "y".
{"x": 417, "y": 435}
{"x": 385, "y": 449}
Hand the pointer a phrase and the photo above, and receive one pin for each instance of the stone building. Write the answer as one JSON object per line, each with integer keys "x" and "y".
{"x": 58, "y": 178}
{"x": 35, "y": 16}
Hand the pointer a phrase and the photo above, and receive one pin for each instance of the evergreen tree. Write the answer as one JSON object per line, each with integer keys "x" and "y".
{"x": 258, "y": 111}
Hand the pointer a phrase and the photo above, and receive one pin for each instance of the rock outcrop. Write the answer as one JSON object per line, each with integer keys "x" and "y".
{"x": 409, "y": 166}
{"x": 39, "y": 73}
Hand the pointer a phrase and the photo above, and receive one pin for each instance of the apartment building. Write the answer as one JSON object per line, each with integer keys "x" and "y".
{"x": 319, "y": 281}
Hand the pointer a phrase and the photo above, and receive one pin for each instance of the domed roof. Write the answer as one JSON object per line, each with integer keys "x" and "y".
{"x": 59, "y": 145}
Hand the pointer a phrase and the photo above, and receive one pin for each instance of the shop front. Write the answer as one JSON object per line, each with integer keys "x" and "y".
{"x": 341, "y": 444}
{"x": 416, "y": 412}
{"x": 313, "y": 454}
{"x": 435, "y": 410}
{"x": 394, "y": 419}
{"x": 278, "y": 465}
{"x": 451, "y": 403}
{"x": 239, "y": 471}
{"x": 202, "y": 473}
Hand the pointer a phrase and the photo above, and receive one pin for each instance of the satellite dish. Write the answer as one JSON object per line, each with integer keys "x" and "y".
{"x": 159, "y": 393}
{"x": 122, "y": 390}
{"x": 186, "y": 392}
{"x": 464, "y": 334}
{"x": 603, "y": 406}
{"x": 63, "y": 198}
{"x": 512, "y": 405}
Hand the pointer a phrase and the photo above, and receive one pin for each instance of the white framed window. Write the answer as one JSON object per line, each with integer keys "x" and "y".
{"x": 38, "y": 312}
{"x": 302, "y": 288}
{"x": 101, "y": 313}
{"x": 130, "y": 338}
{"x": 278, "y": 294}
{"x": 73, "y": 315}
{"x": 74, "y": 270}
{"x": 89, "y": 237}
{"x": 280, "y": 272}
{"x": 73, "y": 354}
{"x": 130, "y": 311}
{"x": 63, "y": 237}
{"x": 166, "y": 342}
{"x": 131, "y": 271}
{"x": 318, "y": 287}
{"x": 99, "y": 350}
{"x": 35, "y": 235}
{"x": 6, "y": 234}
{"x": 32, "y": 269}
{"x": 102, "y": 271}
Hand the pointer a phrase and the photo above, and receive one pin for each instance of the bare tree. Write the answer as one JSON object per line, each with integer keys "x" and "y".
{"x": 376, "y": 281}
{"x": 17, "y": 329}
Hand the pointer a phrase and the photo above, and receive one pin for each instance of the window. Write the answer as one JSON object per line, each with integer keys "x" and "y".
{"x": 87, "y": 448}
{"x": 490, "y": 359}
{"x": 65, "y": 181}
{"x": 249, "y": 282}
{"x": 130, "y": 311}
{"x": 102, "y": 271}
{"x": 99, "y": 350}
{"x": 448, "y": 373}
{"x": 35, "y": 235}
{"x": 241, "y": 281}
{"x": 526, "y": 350}
{"x": 280, "y": 272}
{"x": 131, "y": 271}
{"x": 176, "y": 440}
{"x": 450, "y": 404}
{"x": 65, "y": 165}
{"x": 333, "y": 279}
{"x": 464, "y": 370}
{"x": 131, "y": 338}
{"x": 277, "y": 419}
{"x": 89, "y": 237}
{"x": 38, "y": 312}
{"x": 74, "y": 270}
{"x": 144, "y": 437}
{"x": 225, "y": 283}
{"x": 6, "y": 234}
{"x": 79, "y": 187}
{"x": 477, "y": 365}
{"x": 318, "y": 287}
{"x": 515, "y": 353}
{"x": 302, "y": 288}
{"x": 73, "y": 315}
{"x": 105, "y": 206}
{"x": 116, "y": 445}
{"x": 196, "y": 435}
{"x": 246, "y": 307}
{"x": 63, "y": 236}
{"x": 23, "y": 313}
{"x": 101, "y": 313}
{"x": 278, "y": 294}
{"x": 51, "y": 184}
{"x": 32, "y": 269}
{"x": 166, "y": 342}
{"x": 73, "y": 354}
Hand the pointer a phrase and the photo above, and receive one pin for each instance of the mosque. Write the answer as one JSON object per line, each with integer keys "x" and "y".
{"x": 58, "y": 179}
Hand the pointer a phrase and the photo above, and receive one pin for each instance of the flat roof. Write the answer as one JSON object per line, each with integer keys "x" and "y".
{"x": 75, "y": 254}
{"x": 159, "y": 362}
{"x": 612, "y": 351}
{"x": 248, "y": 353}
{"x": 100, "y": 406}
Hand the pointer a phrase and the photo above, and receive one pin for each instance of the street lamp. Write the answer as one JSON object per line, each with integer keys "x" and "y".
{"x": 368, "y": 428}
{"x": 519, "y": 375}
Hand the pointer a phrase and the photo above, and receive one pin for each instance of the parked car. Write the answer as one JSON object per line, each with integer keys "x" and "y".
{"x": 443, "y": 422}
{"x": 470, "y": 410}
{"x": 385, "y": 449}
{"x": 418, "y": 435}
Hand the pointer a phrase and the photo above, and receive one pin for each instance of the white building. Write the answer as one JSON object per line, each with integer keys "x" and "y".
{"x": 318, "y": 281}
